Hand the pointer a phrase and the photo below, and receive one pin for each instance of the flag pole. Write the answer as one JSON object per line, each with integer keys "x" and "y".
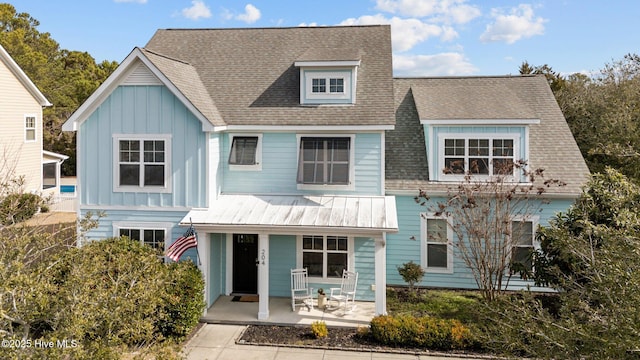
{"x": 196, "y": 234}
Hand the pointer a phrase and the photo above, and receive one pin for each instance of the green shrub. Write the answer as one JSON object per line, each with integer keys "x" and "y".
{"x": 411, "y": 273}
{"x": 111, "y": 292}
{"x": 184, "y": 300}
{"x": 319, "y": 329}
{"x": 17, "y": 207}
{"x": 426, "y": 332}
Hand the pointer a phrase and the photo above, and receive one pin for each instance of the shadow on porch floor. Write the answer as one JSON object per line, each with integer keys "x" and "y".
{"x": 225, "y": 311}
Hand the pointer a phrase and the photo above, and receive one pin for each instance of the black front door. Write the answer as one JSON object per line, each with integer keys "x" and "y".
{"x": 245, "y": 269}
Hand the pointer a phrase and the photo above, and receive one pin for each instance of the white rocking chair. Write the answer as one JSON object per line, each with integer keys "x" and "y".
{"x": 301, "y": 293}
{"x": 346, "y": 293}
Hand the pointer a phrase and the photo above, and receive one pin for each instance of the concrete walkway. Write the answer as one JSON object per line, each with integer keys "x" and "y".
{"x": 217, "y": 342}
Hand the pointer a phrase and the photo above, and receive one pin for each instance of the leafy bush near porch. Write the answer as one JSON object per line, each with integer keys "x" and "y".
{"x": 424, "y": 332}
{"x": 184, "y": 302}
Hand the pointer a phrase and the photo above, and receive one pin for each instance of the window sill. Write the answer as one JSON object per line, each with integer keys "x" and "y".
{"x": 438, "y": 270}
{"x": 142, "y": 189}
{"x": 325, "y": 187}
{"x": 255, "y": 167}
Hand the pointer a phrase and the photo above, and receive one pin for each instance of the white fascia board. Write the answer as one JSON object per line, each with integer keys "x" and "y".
{"x": 60, "y": 157}
{"x": 98, "y": 96}
{"x": 302, "y": 128}
{"x": 23, "y": 78}
{"x": 480, "y": 122}
{"x": 343, "y": 63}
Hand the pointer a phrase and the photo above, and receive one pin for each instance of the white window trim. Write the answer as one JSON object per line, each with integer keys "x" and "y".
{"x": 466, "y": 136}
{"x": 309, "y": 75}
{"x": 423, "y": 244}
{"x": 117, "y": 225}
{"x": 34, "y": 128}
{"x": 255, "y": 167}
{"x": 535, "y": 222}
{"x": 116, "y": 163}
{"x": 352, "y": 170}
{"x": 324, "y": 279}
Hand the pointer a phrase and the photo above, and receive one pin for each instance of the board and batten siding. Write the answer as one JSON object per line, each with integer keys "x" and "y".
{"x": 280, "y": 167}
{"x": 404, "y": 246}
{"x": 217, "y": 266}
{"x": 142, "y": 110}
{"x": 282, "y": 253}
{"x": 24, "y": 156}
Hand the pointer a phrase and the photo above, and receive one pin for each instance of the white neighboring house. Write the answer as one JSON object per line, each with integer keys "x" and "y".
{"x": 21, "y": 152}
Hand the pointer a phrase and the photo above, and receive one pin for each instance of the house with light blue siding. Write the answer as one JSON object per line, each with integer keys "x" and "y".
{"x": 295, "y": 147}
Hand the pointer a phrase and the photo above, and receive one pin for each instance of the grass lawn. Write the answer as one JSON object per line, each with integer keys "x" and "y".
{"x": 443, "y": 304}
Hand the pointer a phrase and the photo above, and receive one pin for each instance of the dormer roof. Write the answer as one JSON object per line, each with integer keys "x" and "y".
{"x": 251, "y": 77}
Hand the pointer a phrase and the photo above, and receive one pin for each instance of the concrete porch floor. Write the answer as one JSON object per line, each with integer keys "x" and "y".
{"x": 225, "y": 311}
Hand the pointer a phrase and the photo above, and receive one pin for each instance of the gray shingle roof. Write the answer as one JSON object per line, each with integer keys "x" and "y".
{"x": 552, "y": 146}
{"x": 187, "y": 80}
{"x": 251, "y": 77}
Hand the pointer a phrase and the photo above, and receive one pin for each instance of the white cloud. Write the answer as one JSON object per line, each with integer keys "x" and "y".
{"x": 443, "y": 64}
{"x": 455, "y": 11}
{"x": 197, "y": 10}
{"x": 405, "y": 33}
{"x": 518, "y": 24}
{"x": 251, "y": 14}
{"x": 132, "y": 1}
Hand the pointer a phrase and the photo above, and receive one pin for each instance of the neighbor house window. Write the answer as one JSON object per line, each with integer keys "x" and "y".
{"x": 325, "y": 256}
{"x": 30, "y": 128}
{"x": 245, "y": 152}
{"x": 324, "y": 161}
{"x": 523, "y": 242}
{"x": 49, "y": 175}
{"x": 437, "y": 236}
{"x": 142, "y": 164}
{"x": 477, "y": 155}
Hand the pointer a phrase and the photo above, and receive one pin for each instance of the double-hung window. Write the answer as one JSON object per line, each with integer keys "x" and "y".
{"x": 437, "y": 236}
{"x": 245, "y": 152}
{"x": 325, "y": 256}
{"x": 523, "y": 233}
{"x": 142, "y": 163}
{"x": 477, "y": 155}
{"x": 30, "y": 128}
{"x": 325, "y": 161}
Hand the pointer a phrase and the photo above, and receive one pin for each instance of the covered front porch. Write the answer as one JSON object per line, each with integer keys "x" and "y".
{"x": 249, "y": 244}
{"x": 226, "y": 311}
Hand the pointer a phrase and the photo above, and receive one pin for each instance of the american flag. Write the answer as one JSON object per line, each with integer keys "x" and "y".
{"x": 182, "y": 244}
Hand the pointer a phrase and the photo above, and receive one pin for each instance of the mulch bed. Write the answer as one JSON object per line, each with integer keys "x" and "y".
{"x": 338, "y": 339}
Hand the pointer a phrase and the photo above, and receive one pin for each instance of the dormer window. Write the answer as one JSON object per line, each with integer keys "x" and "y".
{"x": 325, "y": 82}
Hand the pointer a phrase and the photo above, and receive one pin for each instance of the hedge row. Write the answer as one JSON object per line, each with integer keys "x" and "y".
{"x": 421, "y": 332}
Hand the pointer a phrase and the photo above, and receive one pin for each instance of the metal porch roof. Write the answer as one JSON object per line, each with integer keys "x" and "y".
{"x": 294, "y": 213}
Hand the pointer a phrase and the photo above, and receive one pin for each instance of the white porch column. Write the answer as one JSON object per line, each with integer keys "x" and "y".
{"x": 381, "y": 274}
{"x": 263, "y": 276}
{"x": 204, "y": 251}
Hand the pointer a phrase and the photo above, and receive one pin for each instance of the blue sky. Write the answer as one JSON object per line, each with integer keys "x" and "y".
{"x": 430, "y": 37}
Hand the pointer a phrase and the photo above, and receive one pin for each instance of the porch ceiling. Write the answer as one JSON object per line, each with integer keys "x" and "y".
{"x": 364, "y": 214}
